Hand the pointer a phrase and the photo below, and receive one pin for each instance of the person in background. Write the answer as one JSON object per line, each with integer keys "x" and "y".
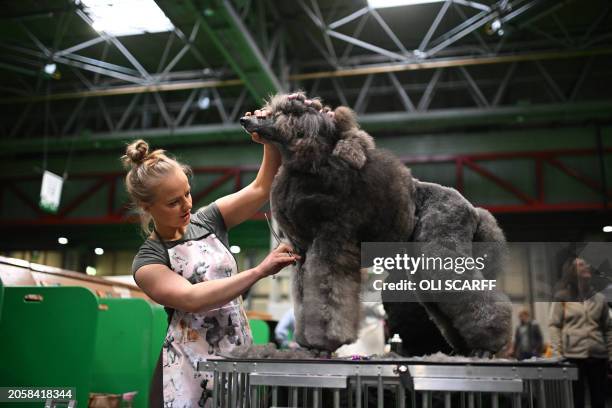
{"x": 581, "y": 331}
{"x": 528, "y": 340}
{"x": 284, "y": 330}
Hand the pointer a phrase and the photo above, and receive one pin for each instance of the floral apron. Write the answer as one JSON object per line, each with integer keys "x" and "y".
{"x": 195, "y": 337}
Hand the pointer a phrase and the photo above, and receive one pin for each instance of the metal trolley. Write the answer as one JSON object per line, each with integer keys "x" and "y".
{"x": 384, "y": 383}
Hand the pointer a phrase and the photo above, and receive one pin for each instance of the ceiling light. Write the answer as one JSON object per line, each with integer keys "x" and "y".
{"x": 396, "y": 3}
{"x": 62, "y": 240}
{"x": 90, "y": 270}
{"x": 607, "y": 228}
{"x": 494, "y": 27}
{"x": 204, "y": 102}
{"x": 50, "y": 69}
{"x": 99, "y": 251}
{"x": 126, "y": 17}
{"x": 235, "y": 249}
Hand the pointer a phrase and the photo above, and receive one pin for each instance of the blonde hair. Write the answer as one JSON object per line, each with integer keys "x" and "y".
{"x": 146, "y": 170}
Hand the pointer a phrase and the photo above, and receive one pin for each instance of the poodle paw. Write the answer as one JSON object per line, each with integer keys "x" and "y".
{"x": 489, "y": 330}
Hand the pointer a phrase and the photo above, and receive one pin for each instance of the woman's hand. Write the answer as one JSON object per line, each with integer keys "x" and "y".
{"x": 260, "y": 114}
{"x": 276, "y": 260}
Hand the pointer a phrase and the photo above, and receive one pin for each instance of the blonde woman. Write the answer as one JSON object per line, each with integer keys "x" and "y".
{"x": 185, "y": 265}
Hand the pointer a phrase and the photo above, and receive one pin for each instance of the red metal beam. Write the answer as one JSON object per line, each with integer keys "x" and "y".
{"x": 543, "y": 207}
{"x": 23, "y": 197}
{"x": 506, "y": 185}
{"x": 55, "y": 220}
{"x": 110, "y": 206}
{"x": 531, "y": 204}
{"x": 82, "y": 197}
{"x": 540, "y": 180}
{"x": 212, "y": 186}
{"x": 459, "y": 174}
{"x": 589, "y": 182}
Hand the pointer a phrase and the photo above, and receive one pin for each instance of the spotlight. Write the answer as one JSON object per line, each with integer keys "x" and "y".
{"x": 204, "y": 102}
{"x": 50, "y": 69}
{"x": 494, "y": 27}
{"x": 607, "y": 228}
{"x": 62, "y": 240}
{"x": 90, "y": 270}
{"x": 235, "y": 249}
{"x": 99, "y": 251}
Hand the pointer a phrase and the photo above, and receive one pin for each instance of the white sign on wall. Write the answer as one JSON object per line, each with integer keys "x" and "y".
{"x": 50, "y": 191}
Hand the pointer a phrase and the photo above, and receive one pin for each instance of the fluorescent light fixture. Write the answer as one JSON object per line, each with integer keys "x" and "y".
{"x": 235, "y": 249}
{"x": 126, "y": 17}
{"x": 62, "y": 240}
{"x": 607, "y": 228}
{"x": 397, "y": 3}
{"x": 90, "y": 270}
{"x": 99, "y": 251}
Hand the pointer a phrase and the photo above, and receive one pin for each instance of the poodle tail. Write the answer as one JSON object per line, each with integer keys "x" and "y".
{"x": 492, "y": 243}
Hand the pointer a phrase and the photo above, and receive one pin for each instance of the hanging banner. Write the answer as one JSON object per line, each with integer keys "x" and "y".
{"x": 50, "y": 192}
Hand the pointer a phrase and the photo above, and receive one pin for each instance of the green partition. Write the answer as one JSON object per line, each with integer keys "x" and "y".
{"x": 260, "y": 331}
{"x": 1, "y": 297}
{"x": 47, "y": 337}
{"x": 160, "y": 328}
{"x": 122, "y": 359}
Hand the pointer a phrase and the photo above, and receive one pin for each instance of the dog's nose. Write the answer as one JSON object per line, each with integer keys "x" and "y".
{"x": 243, "y": 121}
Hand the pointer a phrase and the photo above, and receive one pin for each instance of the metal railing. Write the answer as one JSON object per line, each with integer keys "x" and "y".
{"x": 384, "y": 383}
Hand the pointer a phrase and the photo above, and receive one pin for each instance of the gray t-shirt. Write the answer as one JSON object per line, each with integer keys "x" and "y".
{"x": 205, "y": 221}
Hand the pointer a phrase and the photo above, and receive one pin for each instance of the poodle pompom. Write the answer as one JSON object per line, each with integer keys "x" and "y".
{"x": 353, "y": 147}
{"x": 345, "y": 119}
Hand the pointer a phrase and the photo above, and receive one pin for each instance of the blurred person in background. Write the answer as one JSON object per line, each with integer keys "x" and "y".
{"x": 581, "y": 331}
{"x": 528, "y": 341}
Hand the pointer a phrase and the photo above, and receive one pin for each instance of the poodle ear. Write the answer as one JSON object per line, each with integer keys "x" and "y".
{"x": 353, "y": 147}
{"x": 306, "y": 151}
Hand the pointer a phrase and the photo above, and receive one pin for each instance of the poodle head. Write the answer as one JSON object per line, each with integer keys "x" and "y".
{"x": 305, "y": 131}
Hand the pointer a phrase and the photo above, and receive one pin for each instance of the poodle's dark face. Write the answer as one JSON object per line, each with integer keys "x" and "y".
{"x": 295, "y": 124}
{"x": 264, "y": 127}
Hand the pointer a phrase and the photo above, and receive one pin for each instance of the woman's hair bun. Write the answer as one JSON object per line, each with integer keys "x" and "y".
{"x": 135, "y": 153}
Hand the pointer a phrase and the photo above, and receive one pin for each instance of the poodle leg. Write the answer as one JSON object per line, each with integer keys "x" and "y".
{"x": 473, "y": 321}
{"x": 327, "y": 303}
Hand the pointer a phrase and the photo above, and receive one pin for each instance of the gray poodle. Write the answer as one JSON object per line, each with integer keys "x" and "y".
{"x": 334, "y": 190}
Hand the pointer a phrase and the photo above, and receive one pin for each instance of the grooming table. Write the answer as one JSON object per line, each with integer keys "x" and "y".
{"x": 390, "y": 382}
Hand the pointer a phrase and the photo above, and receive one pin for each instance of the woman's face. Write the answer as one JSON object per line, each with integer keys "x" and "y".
{"x": 583, "y": 269}
{"x": 172, "y": 205}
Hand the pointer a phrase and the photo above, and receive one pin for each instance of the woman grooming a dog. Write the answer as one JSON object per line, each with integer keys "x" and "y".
{"x": 185, "y": 265}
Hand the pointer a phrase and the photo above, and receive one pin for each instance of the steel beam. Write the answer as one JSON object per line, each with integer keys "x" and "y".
{"x": 478, "y": 95}
{"x": 359, "y": 71}
{"x": 224, "y": 27}
{"x": 504, "y": 84}
{"x": 434, "y": 25}
{"x": 19, "y": 70}
{"x": 407, "y": 123}
{"x": 366, "y": 45}
{"x": 349, "y": 18}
